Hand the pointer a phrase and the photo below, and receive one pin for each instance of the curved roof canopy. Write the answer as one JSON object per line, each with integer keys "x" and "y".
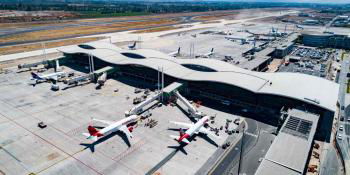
{"x": 307, "y": 88}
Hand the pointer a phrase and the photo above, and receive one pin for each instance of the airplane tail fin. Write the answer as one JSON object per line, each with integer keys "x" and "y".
{"x": 178, "y": 50}
{"x": 132, "y": 46}
{"x": 92, "y": 130}
{"x": 57, "y": 66}
{"x": 212, "y": 50}
{"x": 93, "y": 133}
{"x": 35, "y": 76}
{"x": 177, "y": 138}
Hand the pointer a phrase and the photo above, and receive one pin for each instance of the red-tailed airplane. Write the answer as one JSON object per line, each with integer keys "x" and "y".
{"x": 191, "y": 130}
{"x": 120, "y": 125}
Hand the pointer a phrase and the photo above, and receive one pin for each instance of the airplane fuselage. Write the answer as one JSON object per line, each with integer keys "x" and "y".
{"x": 195, "y": 128}
{"x": 116, "y": 126}
{"x": 49, "y": 76}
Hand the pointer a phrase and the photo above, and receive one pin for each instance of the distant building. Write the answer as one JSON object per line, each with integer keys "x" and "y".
{"x": 326, "y": 40}
{"x": 316, "y": 39}
{"x": 341, "y": 21}
{"x": 311, "y": 22}
{"x": 343, "y": 17}
{"x": 285, "y": 48}
{"x": 303, "y": 15}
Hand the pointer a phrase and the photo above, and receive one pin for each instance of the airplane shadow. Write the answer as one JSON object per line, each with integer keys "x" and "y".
{"x": 91, "y": 146}
{"x": 98, "y": 87}
{"x": 208, "y": 139}
{"x": 149, "y": 108}
{"x": 180, "y": 147}
{"x": 34, "y": 83}
{"x": 72, "y": 86}
{"x": 174, "y": 129}
{"x": 164, "y": 161}
{"x": 186, "y": 113}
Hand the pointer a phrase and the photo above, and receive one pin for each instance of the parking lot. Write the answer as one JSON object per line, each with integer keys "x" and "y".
{"x": 309, "y": 61}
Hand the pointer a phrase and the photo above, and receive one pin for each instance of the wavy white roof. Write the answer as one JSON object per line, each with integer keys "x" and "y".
{"x": 310, "y": 89}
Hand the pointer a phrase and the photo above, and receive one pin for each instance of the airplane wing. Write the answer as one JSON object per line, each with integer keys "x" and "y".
{"x": 126, "y": 131}
{"x": 206, "y": 131}
{"x": 187, "y": 125}
{"x": 103, "y": 121}
{"x": 54, "y": 77}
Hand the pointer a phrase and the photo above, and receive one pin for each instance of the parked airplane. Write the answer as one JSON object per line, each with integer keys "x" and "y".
{"x": 194, "y": 128}
{"x": 176, "y": 53}
{"x": 206, "y": 55}
{"x": 132, "y": 47}
{"x": 102, "y": 79}
{"x": 299, "y": 27}
{"x": 120, "y": 125}
{"x": 46, "y": 77}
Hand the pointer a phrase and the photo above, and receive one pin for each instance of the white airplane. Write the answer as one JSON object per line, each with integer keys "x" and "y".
{"x": 132, "y": 47}
{"x": 207, "y": 55}
{"x": 120, "y": 125}
{"x": 102, "y": 79}
{"x": 47, "y": 77}
{"x": 175, "y": 53}
{"x": 194, "y": 128}
{"x": 299, "y": 27}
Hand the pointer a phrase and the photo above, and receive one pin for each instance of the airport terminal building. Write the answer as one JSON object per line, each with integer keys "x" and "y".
{"x": 326, "y": 40}
{"x": 214, "y": 80}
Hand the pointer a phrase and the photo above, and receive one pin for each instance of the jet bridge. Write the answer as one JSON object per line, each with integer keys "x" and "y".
{"x": 167, "y": 90}
{"x": 107, "y": 69}
{"x": 138, "y": 108}
{"x": 79, "y": 79}
{"x": 191, "y": 109}
{"x": 46, "y": 63}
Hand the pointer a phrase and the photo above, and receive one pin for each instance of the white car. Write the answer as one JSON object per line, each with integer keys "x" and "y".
{"x": 339, "y": 136}
{"x": 341, "y": 127}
